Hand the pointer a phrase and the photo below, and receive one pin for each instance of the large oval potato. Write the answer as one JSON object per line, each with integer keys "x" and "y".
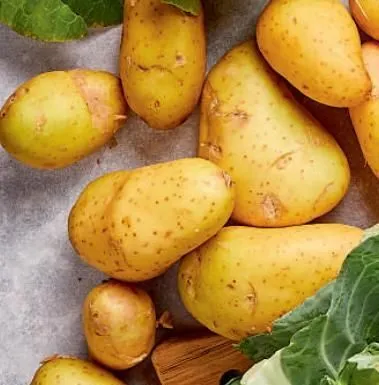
{"x": 243, "y": 279}
{"x": 119, "y": 324}
{"x": 162, "y": 62}
{"x": 158, "y": 214}
{"x": 316, "y": 46}
{"x": 288, "y": 170}
{"x": 72, "y": 371}
{"x": 58, "y": 118}
{"x": 365, "y": 117}
{"x": 366, "y": 14}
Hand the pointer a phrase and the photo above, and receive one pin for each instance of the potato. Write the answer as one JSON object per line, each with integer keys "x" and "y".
{"x": 162, "y": 62}
{"x": 365, "y": 117}
{"x": 316, "y": 46}
{"x": 119, "y": 324}
{"x": 72, "y": 371}
{"x": 239, "y": 282}
{"x": 87, "y": 226}
{"x": 366, "y": 14}
{"x": 288, "y": 170}
{"x": 58, "y": 118}
{"x": 160, "y": 214}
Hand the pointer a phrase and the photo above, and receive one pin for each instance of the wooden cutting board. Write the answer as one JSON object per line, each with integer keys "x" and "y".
{"x": 197, "y": 360}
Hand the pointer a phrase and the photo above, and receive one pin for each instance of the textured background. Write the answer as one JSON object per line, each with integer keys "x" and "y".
{"x": 42, "y": 281}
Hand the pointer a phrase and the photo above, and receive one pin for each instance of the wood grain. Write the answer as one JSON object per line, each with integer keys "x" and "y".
{"x": 196, "y": 361}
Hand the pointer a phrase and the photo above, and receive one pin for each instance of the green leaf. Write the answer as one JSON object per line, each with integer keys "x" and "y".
{"x": 328, "y": 381}
{"x": 62, "y": 20}
{"x": 266, "y": 372}
{"x": 98, "y": 12}
{"x": 362, "y": 369}
{"x": 318, "y": 353}
{"x": 265, "y": 345}
{"x": 49, "y": 20}
{"x": 190, "y": 6}
{"x": 352, "y": 321}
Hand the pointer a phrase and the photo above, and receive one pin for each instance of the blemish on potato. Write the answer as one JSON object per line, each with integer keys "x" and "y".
{"x": 283, "y": 161}
{"x": 40, "y": 122}
{"x": 272, "y": 207}
{"x": 180, "y": 60}
{"x": 322, "y": 194}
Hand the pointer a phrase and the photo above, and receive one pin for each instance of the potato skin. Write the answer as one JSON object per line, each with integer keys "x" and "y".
{"x": 243, "y": 279}
{"x": 366, "y": 15}
{"x": 58, "y": 118}
{"x": 72, "y": 371}
{"x": 162, "y": 62}
{"x": 252, "y": 127}
{"x": 87, "y": 225}
{"x": 119, "y": 324}
{"x": 159, "y": 214}
{"x": 316, "y": 46}
{"x": 365, "y": 117}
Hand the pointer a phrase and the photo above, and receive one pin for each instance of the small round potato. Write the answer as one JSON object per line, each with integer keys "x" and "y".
{"x": 119, "y": 324}
{"x": 72, "y": 371}
{"x": 58, "y": 118}
{"x": 239, "y": 282}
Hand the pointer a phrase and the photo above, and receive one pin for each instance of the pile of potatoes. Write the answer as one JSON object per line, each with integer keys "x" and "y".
{"x": 264, "y": 164}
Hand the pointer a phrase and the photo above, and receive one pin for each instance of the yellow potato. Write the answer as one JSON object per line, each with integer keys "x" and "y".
{"x": 366, "y": 14}
{"x": 365, "y": 117}
{"x": 162, "y": 62}
{"x": 239, "y": 282}
{"x": 58, "y": 118}
{"x": 288, "y": 170}
{"x": 160, "y": 213}
{"x": 72, "y": 371}
{"x": 316, "y": 46}
{"x": 119, "y": 324}
{"x": 87, "y": 226}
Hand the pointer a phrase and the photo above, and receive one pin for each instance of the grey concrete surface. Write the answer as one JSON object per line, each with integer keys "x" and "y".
{"x": 42, "y": 281}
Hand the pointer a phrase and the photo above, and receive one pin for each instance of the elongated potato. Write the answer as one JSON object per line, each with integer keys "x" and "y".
{"x": 366, "y": 14}
{"x": 72, "y": 371}
{"x": 316, "y": 46}
{"x": 287, "y": 168}
{"x": 58, "y": 118}
{"x": 365, "y": 117}
{"x": 162, "y": 62}
{"x": 159, "y": 214}
{"x": 243, "y": 279}
{"x": 119, "y": 324}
